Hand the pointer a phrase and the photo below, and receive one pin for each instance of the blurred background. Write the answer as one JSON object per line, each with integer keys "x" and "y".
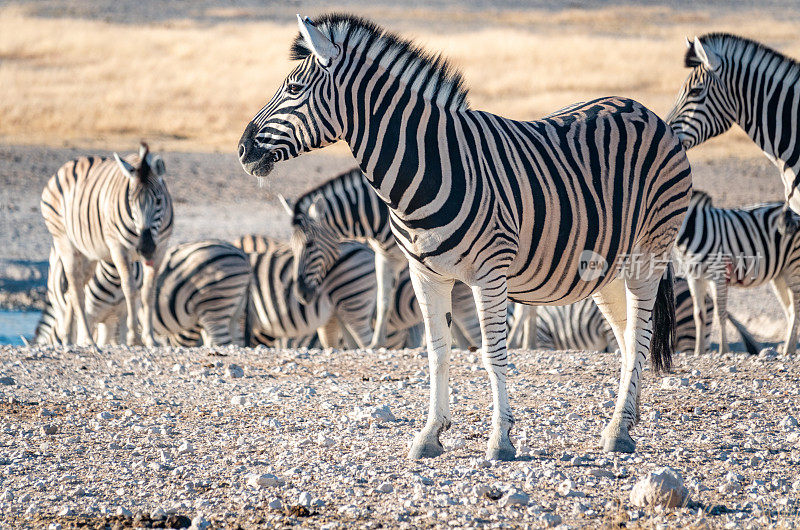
{"x": 89, "y": 77}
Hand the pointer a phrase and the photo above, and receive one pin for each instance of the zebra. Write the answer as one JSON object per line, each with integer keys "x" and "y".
{"x": 738, "y": 247}
{"x": 737, "y": 80}
{"x": 581, "y": 326}
{"x": 200, "y": 292}
{"x": 543, "y": 212}
{"x": 115, "y": 210}
{"x": 276, "y": 312}
{"x": 346, "y": 208}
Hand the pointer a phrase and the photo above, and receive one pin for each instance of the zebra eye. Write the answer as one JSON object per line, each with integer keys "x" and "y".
{"x": 294, "y": 88}
{"x": 696, "y": 91}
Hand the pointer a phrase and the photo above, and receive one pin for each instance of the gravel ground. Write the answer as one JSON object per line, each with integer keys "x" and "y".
{"x": 238, "y": 437}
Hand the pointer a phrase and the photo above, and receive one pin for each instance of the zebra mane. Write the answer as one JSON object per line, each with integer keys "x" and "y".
{"x": 304, "y": 201}
{"x": 730, "y": 46}
{"x": 700, "y": 196}
{"x": 441, "y": 82}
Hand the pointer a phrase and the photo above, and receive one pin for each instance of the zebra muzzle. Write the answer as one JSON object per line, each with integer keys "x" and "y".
{"x": 146, "y": 246}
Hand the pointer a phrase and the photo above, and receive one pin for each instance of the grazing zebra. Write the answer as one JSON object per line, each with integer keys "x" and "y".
{"x": 114, "y": 210}
{"x": 737, "y": 80}
{"x": 346, "y": 208}
{"x": 274, "y": 310}
{"x": 342, "y": 209}
{"x": 738, "y": 247}
{"x": 581, "y": 326}
{"x": 347, "y": 284}
{"x": 543, "y": 212}
{"x": 200, "y": 292}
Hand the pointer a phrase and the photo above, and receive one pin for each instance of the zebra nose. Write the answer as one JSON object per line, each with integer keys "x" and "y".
{"x": 246, "y": 143}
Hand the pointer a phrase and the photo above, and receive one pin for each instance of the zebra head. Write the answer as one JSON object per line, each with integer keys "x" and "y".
{"x": 314, "y": 245}
{"x": 298, "y": 118}
{"x": 704, "y": 107}
{"x": 148, "y": 198}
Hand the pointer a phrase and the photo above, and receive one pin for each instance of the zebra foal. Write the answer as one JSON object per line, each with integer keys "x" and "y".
{"x": 720, "y": 248}
{"x": 116, "y": 210}
{"x": 543, "y": 212}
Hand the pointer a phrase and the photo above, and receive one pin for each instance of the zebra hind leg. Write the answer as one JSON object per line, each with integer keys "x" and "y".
{"x": 789, "y": 296}
{"x": 491, "y": 301}
{"x": 433, "y": 295}
{"x": 697, "y": 288}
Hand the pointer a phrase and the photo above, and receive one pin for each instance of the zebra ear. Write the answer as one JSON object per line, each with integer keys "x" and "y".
{"x": 708, "y": 58}
{"x": 126, "y": 168}
{"x": 688, "y": 43}
{"x": 286, "y": 205}
{"x": 317, "y": 208}
{"x": 157, "y": 165}
{"x": 324, "y": 50}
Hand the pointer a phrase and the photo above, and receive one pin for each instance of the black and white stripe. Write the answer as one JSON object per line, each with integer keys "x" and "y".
{"x": 116, "y": 210}
{"x": 513, "y": 209}
{"x": 737, "y": 80}
{"x": 200, "y": 293}
{"x": 720, "y": 248}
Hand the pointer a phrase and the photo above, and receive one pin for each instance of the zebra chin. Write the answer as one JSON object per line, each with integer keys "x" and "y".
{"x": 261, "y": 167}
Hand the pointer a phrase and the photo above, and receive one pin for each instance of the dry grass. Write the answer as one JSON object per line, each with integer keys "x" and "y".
{"x": 194, "y": 86}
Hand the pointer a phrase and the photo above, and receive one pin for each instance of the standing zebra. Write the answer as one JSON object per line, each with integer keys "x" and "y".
{"x": 543, "y": 212}
{"x": 346, "y": 208}
{"x": 741, "y": 247}
{"x": 200, "y": 292}
{"x": 114, "y": 210}
{"x": 737, "y": 80}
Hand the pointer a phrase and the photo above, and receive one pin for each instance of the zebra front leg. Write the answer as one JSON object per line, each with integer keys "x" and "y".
{"x": 719, "y": 296}
{"x": 329, "y": 333}
{"x": 697, "y": 288}
{"x": 119, "y": 256}
{"x": 789, "y": 296}
{"x": 386, "y": 273}
{"x": 491, "y": 300}
{"x": 75, "y": 270}
{"x": 148, "y": 295}
{"x": 433, "y": 295}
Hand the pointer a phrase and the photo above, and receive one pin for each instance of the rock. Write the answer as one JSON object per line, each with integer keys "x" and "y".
{"x": 550, "y": 520}
{"x": 7, "y": 496}
{"x": 105, "y": 415}
{"x": 234, "y": 371}
{"x": 49, "y": 429}
{"x": 788, "y": 423}
{"x": 304, "y": 499}
{"x": 7, "y": 381}
{"x": 186, "y": 447}
{"x": 200, "y": 522}
{"x": 668, "y": 383}
{"x": 663, "y": 487}
{"x": 325, "y": 441}
{"x": 385, "y": 487}
{"x": 380, "y": 413}
{"x": 275, "y": 504}
{"x": 515, "y": 497}
{"x": 238, "y": 400}
{"x": 177, "y": 521}
{"x": 768, "y": 354}
{"x": 123, "y": 512}
{"x": 262, "y": 481}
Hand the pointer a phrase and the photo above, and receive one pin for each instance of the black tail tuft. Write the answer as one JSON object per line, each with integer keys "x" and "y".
{"x": 663, "y": 342}
{"x": 750, "y": 343}
{"x": 248, "y": 320}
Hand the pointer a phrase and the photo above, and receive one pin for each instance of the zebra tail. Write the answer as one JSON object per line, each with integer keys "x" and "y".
{"x": 750, "y": 343}
{"x": 662, "y": 345}
{"x": 248, "y": 320}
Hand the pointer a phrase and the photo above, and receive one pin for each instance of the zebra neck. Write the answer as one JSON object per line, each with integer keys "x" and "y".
{"x": 397, "y": 138}
{"x": 758, "y": 114}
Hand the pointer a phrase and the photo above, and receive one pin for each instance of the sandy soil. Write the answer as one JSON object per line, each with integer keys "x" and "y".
{"x": 248, "y": 438}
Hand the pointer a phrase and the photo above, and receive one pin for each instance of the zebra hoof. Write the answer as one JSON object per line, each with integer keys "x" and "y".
{"x": 504, "y": 454}
{"x": 620, "y": 444}
{"x": 426, "y": 449}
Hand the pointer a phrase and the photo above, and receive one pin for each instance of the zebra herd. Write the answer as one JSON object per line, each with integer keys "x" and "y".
{"x": 453, "y": 218}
